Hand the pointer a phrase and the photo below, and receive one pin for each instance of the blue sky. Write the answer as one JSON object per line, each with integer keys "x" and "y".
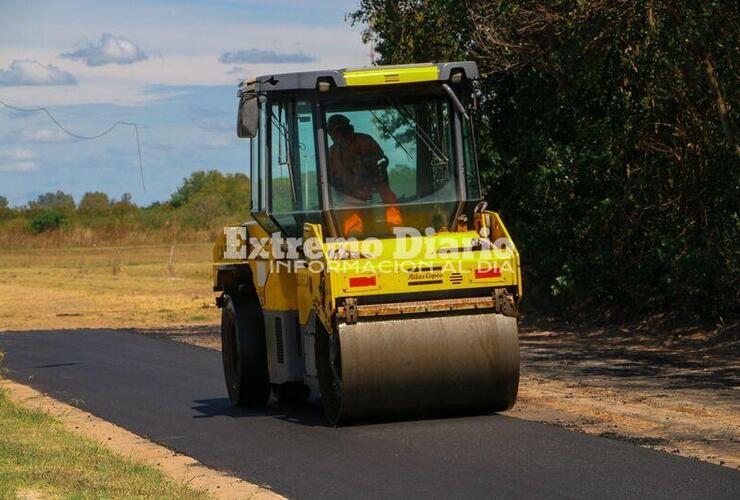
{"x": 171, "y": 67}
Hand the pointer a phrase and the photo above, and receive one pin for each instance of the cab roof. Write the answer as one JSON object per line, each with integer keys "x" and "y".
{"x": 368, "y": 76}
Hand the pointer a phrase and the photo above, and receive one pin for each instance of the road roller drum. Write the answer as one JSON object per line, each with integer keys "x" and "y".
{"x": 420, "y": 365}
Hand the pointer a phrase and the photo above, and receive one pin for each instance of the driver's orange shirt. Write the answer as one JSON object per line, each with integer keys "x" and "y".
{"x": 353, "y": 171}
{"x": 352, "y": 167}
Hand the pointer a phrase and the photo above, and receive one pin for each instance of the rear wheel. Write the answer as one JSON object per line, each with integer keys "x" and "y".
{"x": 329, "y": 367}
{"x": 291, "y": 392}
{"x": 243, "y": 349}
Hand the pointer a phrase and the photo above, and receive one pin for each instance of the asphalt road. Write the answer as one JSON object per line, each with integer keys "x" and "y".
{"x": 174, "y": 394}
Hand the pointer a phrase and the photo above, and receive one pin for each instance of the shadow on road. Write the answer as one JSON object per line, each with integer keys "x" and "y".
{"x": 311, "y": 415}
{"x": 57, "y": 365}
{"x": 298, "y": 413}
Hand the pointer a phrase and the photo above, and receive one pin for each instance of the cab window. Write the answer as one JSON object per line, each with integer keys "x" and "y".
{"x": 293, "y": 183}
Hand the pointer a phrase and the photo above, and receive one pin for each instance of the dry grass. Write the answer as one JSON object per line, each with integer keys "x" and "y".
{"x": 90, "y": 287}
{"x": 16, "y": 236}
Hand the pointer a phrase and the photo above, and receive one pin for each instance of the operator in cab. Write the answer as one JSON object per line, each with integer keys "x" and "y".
{"x": 357, "y": 168}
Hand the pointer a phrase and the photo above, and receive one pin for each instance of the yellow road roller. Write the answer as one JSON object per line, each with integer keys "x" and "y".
{"x": 371, "y": 277}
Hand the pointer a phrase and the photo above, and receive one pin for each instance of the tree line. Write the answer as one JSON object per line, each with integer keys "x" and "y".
{"x": 608, "y": 140}
{"x": 201, "y": 203}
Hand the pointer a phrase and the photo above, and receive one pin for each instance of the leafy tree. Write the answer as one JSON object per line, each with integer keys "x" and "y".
{"x": 200, "y": 181}
{"x": 124, "y": 213}
{"x": 94, "y": 203}
{"x": 59, "y": 201}
{"x": 414, "y": 30}
{"x": 607, "y": 138}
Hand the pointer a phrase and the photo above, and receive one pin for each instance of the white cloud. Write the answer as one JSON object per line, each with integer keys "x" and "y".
{"x": 119, "y": 92}
{"x": 29, "y": 72}
{"x": 19, "y": 154}
{"x": 18, "y": 166}
{"x": 45, "y": 135}
{"x": 214, "y": 124}
{"x": 236, "y": 70}
{"x": 218, "y": 142}
{"x": 258, "y": 56}
{"x": 185, "y": 47}
{"x": 110, "y": 49}
{"x": 17, "y": 160}
{"x": 213, "y": 120}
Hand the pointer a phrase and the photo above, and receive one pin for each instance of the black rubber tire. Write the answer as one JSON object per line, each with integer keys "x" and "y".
{"x": 291, "y": 392}
{"x": 329, "y": 372}
{"x": 244, "y": 352}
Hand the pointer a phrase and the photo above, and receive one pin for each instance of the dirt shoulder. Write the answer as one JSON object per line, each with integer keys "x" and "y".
{"x": 676, "y": 391}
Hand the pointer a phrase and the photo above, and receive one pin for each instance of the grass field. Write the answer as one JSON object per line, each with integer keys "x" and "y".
{"x": 40, "y": 459}
{"x": 83, "y": 287}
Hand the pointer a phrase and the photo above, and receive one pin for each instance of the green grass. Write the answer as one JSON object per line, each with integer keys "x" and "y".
{"x": 37, "y": 454}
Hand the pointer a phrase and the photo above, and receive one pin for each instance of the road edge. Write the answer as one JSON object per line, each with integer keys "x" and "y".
{"x": 176, "y": 466}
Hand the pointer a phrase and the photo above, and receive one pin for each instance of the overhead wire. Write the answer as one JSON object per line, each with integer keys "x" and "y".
{"x": 87, "y": 137}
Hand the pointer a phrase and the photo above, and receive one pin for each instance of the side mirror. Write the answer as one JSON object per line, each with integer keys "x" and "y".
{"x": 247, "y": 119}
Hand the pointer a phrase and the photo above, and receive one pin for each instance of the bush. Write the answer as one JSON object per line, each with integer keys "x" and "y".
{"x": 47, "y": 220}
{"x": 5, "y": 210}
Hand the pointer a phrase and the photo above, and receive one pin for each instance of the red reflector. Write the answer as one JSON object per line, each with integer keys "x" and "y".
{"x": 362, "y": 281}
{"x": 487, "y": 273}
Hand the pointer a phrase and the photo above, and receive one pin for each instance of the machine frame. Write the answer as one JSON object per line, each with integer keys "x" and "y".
{"x": 296, "y": 310}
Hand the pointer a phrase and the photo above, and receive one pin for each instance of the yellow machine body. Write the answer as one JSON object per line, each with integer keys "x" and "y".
{"x": 423, "y": 322}
{"x": 449, "y": 263}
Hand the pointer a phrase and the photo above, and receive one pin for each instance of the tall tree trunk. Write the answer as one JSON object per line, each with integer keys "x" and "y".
{"x": 699, "y": 51}
{"x": 719, "y": 99}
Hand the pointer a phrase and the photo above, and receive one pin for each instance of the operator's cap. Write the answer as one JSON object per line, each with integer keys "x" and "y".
{"x": 336, "y": 122}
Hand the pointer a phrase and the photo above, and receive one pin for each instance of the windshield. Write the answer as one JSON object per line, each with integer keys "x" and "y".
{"x": 390, "y": 162}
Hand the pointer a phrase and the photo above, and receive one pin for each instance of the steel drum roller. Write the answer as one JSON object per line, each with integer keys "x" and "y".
{"x": 416, "y": 365}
